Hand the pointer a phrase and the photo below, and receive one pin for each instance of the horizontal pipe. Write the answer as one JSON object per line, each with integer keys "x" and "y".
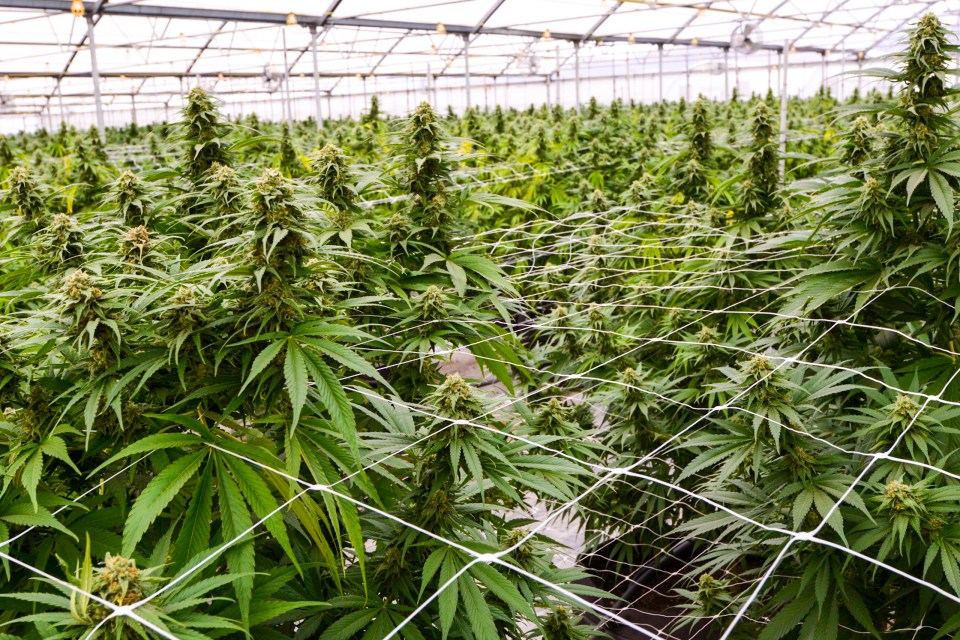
{"x": 195, "y": 13}
{"x": 12, "y": 75}
{"x": 304, "y": 94}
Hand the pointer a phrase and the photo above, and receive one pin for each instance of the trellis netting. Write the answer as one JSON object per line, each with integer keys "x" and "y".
{"x": 622, "y": 369}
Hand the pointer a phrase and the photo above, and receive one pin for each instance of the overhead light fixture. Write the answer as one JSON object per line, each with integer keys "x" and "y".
{"x": 826, "y": 52}
{"x": 632, "y": 39}
{"x": 77, "y": 8}
{"x": 861, "y": 55}
{"x": 695, "y": 42}
{"x": 291, "y": 19}
{"x": 546, "y": 34}
{"x": 793, "y": 48}
{"x": 323, "y": 45}
{"x": 441, "y": 29}
{"x": 220, "y": 76}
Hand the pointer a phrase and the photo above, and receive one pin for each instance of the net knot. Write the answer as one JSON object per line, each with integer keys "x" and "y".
{"x": 804, "y": 536}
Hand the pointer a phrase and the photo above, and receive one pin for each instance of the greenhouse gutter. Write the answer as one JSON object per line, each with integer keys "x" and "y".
{"x": 193, "y": 13}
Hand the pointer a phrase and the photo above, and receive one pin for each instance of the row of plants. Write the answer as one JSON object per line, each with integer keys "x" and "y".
{"x": 185, "y": 348}
{"x": 224, "y": 408}
{"x": 771, "y": 356}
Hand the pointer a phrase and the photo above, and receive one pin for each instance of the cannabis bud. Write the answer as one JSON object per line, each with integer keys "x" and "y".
{"x": 135, "y": 244}
{"x": 129, "y": 194}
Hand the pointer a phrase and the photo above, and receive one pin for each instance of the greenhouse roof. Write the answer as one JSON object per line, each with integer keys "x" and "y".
{"x": 148, "y": 48}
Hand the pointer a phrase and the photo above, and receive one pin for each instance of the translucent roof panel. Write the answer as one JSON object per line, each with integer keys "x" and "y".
{"x": 466, "y": 12}
{"x": 562, "y": 16}
{"x": 252, "y": 53}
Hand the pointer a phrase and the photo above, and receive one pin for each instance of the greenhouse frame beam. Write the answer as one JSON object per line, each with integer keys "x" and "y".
{"x": 476, "y": 31}
{"x": 676, "y": 34}
{"x": 305, "y": 93}
{"x": 587, "y": 36}
{"x": 73, "y": 56}
{"x": 599, "y": 23}
{"x": 823, "y": 18}
{"x": 526, "y": 51}
{"x": 489, "y": 14}
{"x": 386, "y": 54}
{"x": 206, "y": 45}
{"x": 313, "y": 27}
{"x": 893, "y": 31}
{"x": 193, "y": 13}
{"x": 760, "y": 16}
{"x": 334, "y": 5}
{"x": 20, "y": 75}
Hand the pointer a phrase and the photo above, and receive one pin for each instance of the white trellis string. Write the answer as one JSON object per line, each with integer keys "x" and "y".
{"x": 611, "y": 473}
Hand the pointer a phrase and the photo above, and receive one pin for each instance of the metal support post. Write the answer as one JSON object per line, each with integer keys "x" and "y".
{"x": 432, "y": 99}
{"x": 785, "y": 59}
{"x": 613, "y": 76}
{"x": 843, "y": 60}
{"x": 823, "y": 72}
{"x": 660, "y": 71}
{"x": 286, "y": 77}
{"x": 316, "y": 76}
{"x": 557, "y": 54}
{"x": 95, "y": 72}
{"x": 576, "y": 65}
{"x": 726, "y": 73}
{"x": 736, "y": 70}
{"x": 626, "y": 62}
{"x": 63, "y": 111}
{"x": 466, "y": 64}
